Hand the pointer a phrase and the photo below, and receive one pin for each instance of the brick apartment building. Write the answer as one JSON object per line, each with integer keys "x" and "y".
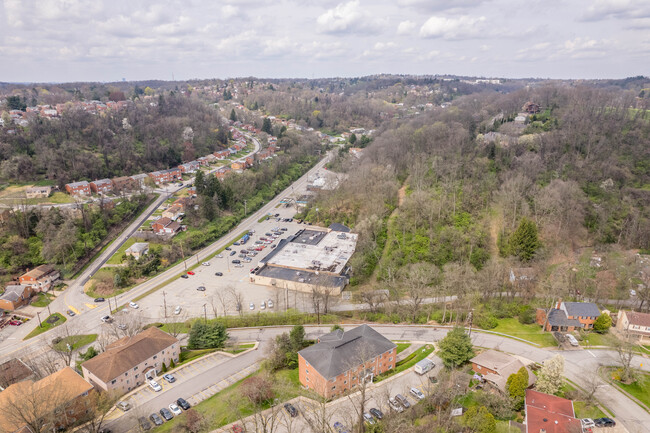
{"x": 101, "y": 186}
{"x": 40, "y": 278}
{"x": 128, "y": 362}
{"x": 166, "y": 176}
{"x": 123, "y": 183}
{"x": 568, "y": 316}
{"x": 78, "y": 188}
{"x": 340, "y": 361}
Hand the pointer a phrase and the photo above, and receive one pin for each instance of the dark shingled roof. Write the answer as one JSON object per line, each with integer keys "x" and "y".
{"x": 340, "y": 351}
{"x": 582, "y": 309}
{"x": 339, "y": 228}
{"x": 559, "y": 318}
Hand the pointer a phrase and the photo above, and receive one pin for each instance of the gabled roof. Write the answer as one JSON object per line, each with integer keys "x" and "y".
{"x": 102, "y": 182}
{"x": 559, "y": 318}
{"x": 128, "y": 352}
{"x": 341, "y": 351}
{"x": 39, "y": 271}
{"x": 587, "y": 309}
{"x": 503, "y": 364}
{"x": 164, "y": 221}
{"x": 13, "y": 371}
{"x": 14, "y": 292}
{"x": 550, "y": 413}
{"x": 76, "y": 184}
{"x": 640, "y": 319}
{"x": 337, "y": 227}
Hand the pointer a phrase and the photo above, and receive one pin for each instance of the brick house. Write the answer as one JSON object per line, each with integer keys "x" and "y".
{"x": 78, "y": 188}
{"x": 340, "y": 361}
{"x": 189, "y": 167}
{"x": 60, "y": 400}
{"x": 165, "y": 226}
{"x": 40, "y": 278}
{"x": 222, "y": 154}
{"x": 173, "y": 212}
{"x": 137, "y": 250}
{"x": 166, "y": 176}
{"x": 15, "y": 296}
{"x": 129, "y": 361}
{"x": 249, "y": 161}
{"x": 221, "y": 173}
{"x": 101, "y": 186}
{"x": 550, "y": 414}
{"x": 637, "y": 325}
{"x": 184, "y": 202}
{"x": 238, "y": 166}
{"x": 496, "y": 367}
{"x": 124, "y": 183}
{"x": 14, "y": 371}
{"x": 139, "y": 179}
{"x": 568, "y": 316}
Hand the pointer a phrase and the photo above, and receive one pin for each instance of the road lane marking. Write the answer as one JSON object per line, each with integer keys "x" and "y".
{"x": 91, "y": 306}
{"x": 589, "y": 351}
{"x": 73, "y": 309}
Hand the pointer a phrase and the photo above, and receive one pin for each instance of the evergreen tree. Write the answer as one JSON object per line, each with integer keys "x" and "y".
{"x": 353, "y": 138}
{"x": 164, "y": 367}
{"x": 524, "y": 241}
{"x": 172, "y": 364}
{"x": 207, "y": 336}
{"x": 456, "y": 348}
{"x": 479, "y": 420}
{"x": 233, "y": 115}
{"x": 266, "y": 125}
{"x": 297, "y": 338}
{"x": 199, "y": 182}
{"x": 516, "y": 386}
{"x": 603, "y": 323}
{"x": 227, "y": 95}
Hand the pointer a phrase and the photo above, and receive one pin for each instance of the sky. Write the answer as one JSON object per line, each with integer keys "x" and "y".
{"x": 111, "y": 40}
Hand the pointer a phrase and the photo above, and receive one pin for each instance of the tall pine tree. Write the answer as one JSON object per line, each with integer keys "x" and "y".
{"x": 524, "y": 241}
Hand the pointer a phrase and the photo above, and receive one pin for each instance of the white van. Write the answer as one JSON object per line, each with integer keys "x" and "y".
{"x": 424, "y": 366}
{"x": 572, "y": 340}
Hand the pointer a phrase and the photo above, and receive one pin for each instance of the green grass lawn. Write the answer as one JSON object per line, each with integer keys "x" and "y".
{"x": 504, "y": 427}
{"x": 46, "y": 326}
{"x": 42, "y": 299}
{"x": 595, "y": 339}
{"x": 532, "y": 332}
{"x": 56, "y": 198}
{"x": 226, "y": 407}
{"x": 240, "y": 348}
{"x": 264, "y": 218}
{"x": 639, "y": 389}
{"x": 190, "y": 355}
{"x": 584, "y": 410}
{"x": 402, "y": 347}
{"x": 116, "y": 259}
{"x": 76, "y": 341}
{"x": 407, "y": 362}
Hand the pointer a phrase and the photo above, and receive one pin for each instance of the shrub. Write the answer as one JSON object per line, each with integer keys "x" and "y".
{"x": 486, "y": 321}
{"x": 164, "y": 368}
{"x": 527, "y": 315}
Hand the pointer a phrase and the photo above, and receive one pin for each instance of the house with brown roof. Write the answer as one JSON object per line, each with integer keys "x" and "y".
{"x": 549, "y": 414}
{"x": 15, "y": 296}
{"x": 101, "y": 186}
{"x": 636, "y": 325}
{"x": 40, "y": 278}
{"x": 173, "y": 212}
{"x": 496, "y": 367}
{"x": 56, "y": 401}
{"x": 14, "y": 371}
{"x": 38, "y": 191}
{"x": 129, "y": 361}
{"x": 165, "y": 226}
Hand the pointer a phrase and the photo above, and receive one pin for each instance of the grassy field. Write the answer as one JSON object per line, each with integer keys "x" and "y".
{"x": 46, "y": 326}
{"x": 532, "y": 332}
{"x": 402, "y": 347}
{"x": 42, "y": 300}
{"x": 76, "y": 341}
{"x": 595, "y": 339}
{"x": 584, "y": 410}
{"x": 116, "y": 259}
{"x": 639, "y": 389}
{"x": 228, "y": 406}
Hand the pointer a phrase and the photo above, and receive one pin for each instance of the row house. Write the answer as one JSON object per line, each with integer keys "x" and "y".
{"x": 189, "y": 167}
{"x": 340, "y": 361}
{"x": 40, "y": 278}
{"x": 101, "y": 186}
{"x": 123, "y": 183}
{"x": 165, "y": 226}
{"x": 205, "y": 160}
{"x": 130, "y": 361}
{"x": 221, "y": 173}
{"x": 78, "y": 188}
{"x": 139, "y": 179}
{"x": 222, "y": 154}
{"x": 166, "y": 176}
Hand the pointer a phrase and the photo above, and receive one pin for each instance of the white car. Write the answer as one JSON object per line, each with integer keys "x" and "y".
{"x": 177, "y": 310}
{"x": 206, "y": 263}
{"x": 220, "y": 256}
{"x": 251, "y": 306}
{"x": 107, "y": 319}
{"x": 417, "y": 393}
{"x": 155, "y": 385}
{"x": 270, "y": 303}
{"x": 263, "y": 305}
{"x": 133, "y": 305}
{"x": 175, "y": 409}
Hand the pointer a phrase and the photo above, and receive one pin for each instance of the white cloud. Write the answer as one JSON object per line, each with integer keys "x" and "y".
{"x": 440, "y": 5}
{"x": 621, "y": 9}
{"x": 463, "y": 27}
{"x": 229, "y": 11}
{"x": 347, "y": 17}
{"x": 406, "y": 27}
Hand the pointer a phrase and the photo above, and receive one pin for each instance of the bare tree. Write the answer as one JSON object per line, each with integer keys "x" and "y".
{"x": 98, "y": 406}
{"x": 237, "y": 298}
{"x": 44, "y": 363}
{"x": 417, "y": 281}
{"x": 63, "y": 343}
{"x": 625, "y": 351}
{"x": 104, "y": 338}
{"x": 222, "y": 298}
{"x": 214, "y": 305}
{"x": 373, "y": 298}
{"x": 39, "y": 408}
{"x": 176, "y": 324}
{"x": 127, "y": 325}
{"x": 360, "y": 372}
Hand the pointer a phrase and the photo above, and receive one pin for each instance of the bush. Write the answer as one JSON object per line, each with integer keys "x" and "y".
{"x": 603, "y": 323}
{"x": 164, "y": 367}
{"x": 486, "y": 321}
{"x": 527, "y": 315}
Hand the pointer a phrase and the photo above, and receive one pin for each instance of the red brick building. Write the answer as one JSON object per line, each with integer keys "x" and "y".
{"x": 101, "y": 186}
{"x": 165, "y": 226}
{"x": 15, "y": 296}
{"x": 40, "y": 278}
{"x": 550, "y": 414}
{"x": 166, "y": 176}
{"x": 340, "y": 361}
{"x": 78, "y": 188}
{"x": 568, "y": 316}
{"x": 124, "y": 183}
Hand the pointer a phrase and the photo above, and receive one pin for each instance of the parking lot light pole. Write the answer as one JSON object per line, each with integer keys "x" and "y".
{"x": 205, "y": 313}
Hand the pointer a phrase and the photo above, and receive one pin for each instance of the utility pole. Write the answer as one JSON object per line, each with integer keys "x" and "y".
{"x": 110, "y": 310}
{"x": 48, "y": 310}
{"x": 245, "y": 208}
{"x": 183, "y": 254}
{"x": 165, "y": 303}
{"x": 205, "y": 313}
{"x": 38, "y": 314}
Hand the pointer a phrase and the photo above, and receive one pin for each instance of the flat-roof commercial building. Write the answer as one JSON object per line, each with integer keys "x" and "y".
{"x": 311, "y": 258}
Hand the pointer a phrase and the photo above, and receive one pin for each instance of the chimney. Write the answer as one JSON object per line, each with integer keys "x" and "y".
{"x": 559, "y": 302}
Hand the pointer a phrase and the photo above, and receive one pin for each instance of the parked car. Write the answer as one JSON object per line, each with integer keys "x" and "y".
{"x": 403, "y": 401}
{"x": 394, "y": 405}
{"x": 156, "y": 419}
{"x": 340, "y": 428}
{"x": 201, "y": 288}
{"x": 284, "y": 229}
{"x": 273, "y": 246}
{"x": 205, "y": 263}
{"x": 70, "y": 313}
{"x": 177, "y": 310}
{"x": 417, "y": 393}
{"x": 99, "y": 299}
{"x": 121, "y": 326}
{"x": 573, "y": 342}
{"x": 236, "y": 261}
{"x": 184, "y": 276}
{"x": 219, "y": 274}
{"x": 263, "y": 306}
{"x": 376, "y": 413}
{"x": 123, "y": 405}
{"x": 166, "y": 413}
{"x": 270, "y": 303}
{"x": 133, "y": 305}
{"x": 175, "y": 409}
{"x": 239, "y": 265}
{"x": 15, "y": 322}
{"x": 587, "y": 423}
{"x": 604, "y": 422}
{"x": 107, "y": 319}
{"x": 236, "y": 428}
{"x": 291, "y": 410}
{"x": 144, "y": 423}
{"x": 169, "y": 378}
{"x": 155, "y": 385}
{"x": 183, "y": 404}
{"x": 251, "y": 306}
{"x": 220, "y": 256}
{"x": 228, "y": 248}
{"x": 190, "y": 273}
{"x": 236, "y": 243}
{"x": 232, "y": 253}
{"x": 368, "y": 418}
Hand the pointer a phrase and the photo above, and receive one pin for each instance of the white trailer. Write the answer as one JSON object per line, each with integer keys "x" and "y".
{"x": 424, "y": 366}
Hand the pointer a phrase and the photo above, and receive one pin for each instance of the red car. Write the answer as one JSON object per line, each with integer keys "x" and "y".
{"x": 15, "y": 322}
{"x": 236, "y": 428}
{"x": 259, "y": 249}
{"x": 190, "y": 273}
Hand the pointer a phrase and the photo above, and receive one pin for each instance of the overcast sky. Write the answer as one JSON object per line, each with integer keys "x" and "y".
{"x": 107, "y": 40}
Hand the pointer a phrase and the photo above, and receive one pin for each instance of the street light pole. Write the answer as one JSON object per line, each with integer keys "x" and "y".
{"x": 38, "y": 314}
{"x": 165, "y": 303}
{"x": 205, "y": 313}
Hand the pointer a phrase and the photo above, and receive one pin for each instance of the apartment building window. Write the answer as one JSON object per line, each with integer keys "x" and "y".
{"x": 344, "y": 382}
{"x": 307, "y": 371}
{"x": 113, "y": 382}
{"x": 307, "y": 379}
{"x": 155, "y": 357}
{"x": 135, "y": 368}
{"x": 334, "y": 387}
{"x": 136, "y": 376}
{"x": 390, "y": 359}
